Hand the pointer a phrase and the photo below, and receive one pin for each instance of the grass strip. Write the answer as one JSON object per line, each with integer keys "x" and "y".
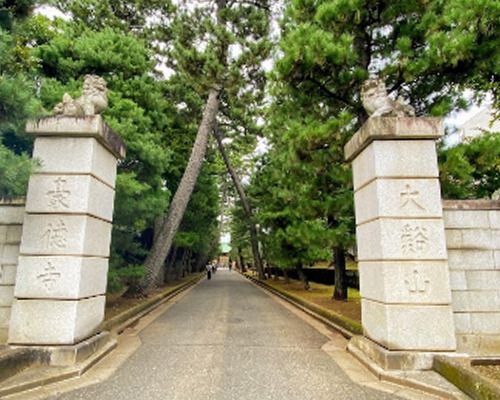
{"x": 350, "y": 325}
{"x": 467, "y": 380}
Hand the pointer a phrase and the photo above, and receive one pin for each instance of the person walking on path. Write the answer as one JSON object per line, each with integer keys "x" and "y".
{"x": 209, "y": 271}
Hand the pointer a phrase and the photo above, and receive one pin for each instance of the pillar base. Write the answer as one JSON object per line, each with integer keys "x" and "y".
{"x": 48, "y": 322}
{"x": 362, "y": 347}
{"x": 69, "y": 355}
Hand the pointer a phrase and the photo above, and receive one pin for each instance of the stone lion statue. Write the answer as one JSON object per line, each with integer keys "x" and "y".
{"x": 93, "y": 100}
{"x": 377, "y": 102}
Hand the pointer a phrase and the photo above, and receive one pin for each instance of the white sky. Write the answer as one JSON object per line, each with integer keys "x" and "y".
{"x": 51, "y": 12}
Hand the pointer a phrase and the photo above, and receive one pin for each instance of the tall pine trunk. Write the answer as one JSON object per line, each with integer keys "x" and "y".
{"x": 172, "y": 257}
{"x": 241, "y": 260}
{"x": 302, "y": 276}
{"x": 246, "y": 206}
{"x": 170, "y": 224}
{"x": 285, "y": 275}
{"x": 340, "y": 292}
{"x": 202, "y": 260}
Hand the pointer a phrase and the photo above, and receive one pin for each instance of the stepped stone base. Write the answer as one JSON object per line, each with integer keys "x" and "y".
{"x": 394, "y": 360}
{"x": 70, "y": 355}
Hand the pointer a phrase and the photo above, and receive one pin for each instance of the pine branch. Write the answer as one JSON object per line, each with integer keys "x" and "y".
{"x": 327, "y": 92}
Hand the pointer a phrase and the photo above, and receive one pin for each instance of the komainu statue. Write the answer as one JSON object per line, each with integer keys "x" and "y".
{"x": 93, "y": 100}
{"x": 377, "y": 102}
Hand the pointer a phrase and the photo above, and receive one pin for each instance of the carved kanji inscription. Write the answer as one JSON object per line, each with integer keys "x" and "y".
{"x": 54, "y": 235}
{"x": 416, "y": 283}
{"x": 49, "y": 277}
{"x": 414, "y": 239}
{"x": 410, "y": 198}
{"x": 58, "y": 198}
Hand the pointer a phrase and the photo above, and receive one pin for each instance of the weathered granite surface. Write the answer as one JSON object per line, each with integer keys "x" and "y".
{"x": 397, "y": 128}
{"x": 66, "y": 238}
{"x": 73, "y": 127}
{"x": 404, "y": 278}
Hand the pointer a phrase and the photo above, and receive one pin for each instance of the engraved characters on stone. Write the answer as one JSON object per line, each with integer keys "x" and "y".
{"x": 414, "y": 239}
{"x": 58, "y": 198}
{"x": 49, "y": 277}
{"x": 416, "y": 283}
{"x": 410, "y": 198}
{"x": 54, "y": 236}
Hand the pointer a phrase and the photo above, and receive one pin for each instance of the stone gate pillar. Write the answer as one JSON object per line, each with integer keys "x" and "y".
{"x": 404, "y": 281}
{"x": 62, "y": 272}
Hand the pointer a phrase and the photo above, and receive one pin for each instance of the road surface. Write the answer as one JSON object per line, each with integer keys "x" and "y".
{"x": 228, "y": 340}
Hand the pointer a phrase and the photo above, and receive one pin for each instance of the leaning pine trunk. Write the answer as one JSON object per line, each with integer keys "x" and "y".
{"x": 246, "y": 207}
{"x": 302, "y": 276}
{"x": 170, "y": 224}
{"x": 340, "y": 292}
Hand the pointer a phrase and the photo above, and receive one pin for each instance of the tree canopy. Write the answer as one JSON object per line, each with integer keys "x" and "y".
{"x": 164, "y": 60}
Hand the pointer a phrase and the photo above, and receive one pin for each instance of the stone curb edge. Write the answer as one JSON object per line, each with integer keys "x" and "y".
{"x": 347, "y": 327}
{"x": 116, "y": 325}
{"x": 60, "y": 375}
{"x": 467, "y": 380}
{"x": 14, "y": 361}
{"x": 383, "y": 375}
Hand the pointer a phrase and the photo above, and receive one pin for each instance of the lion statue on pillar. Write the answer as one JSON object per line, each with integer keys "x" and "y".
{"x": 377, "y": 102}
{"x": 94, "y": 99}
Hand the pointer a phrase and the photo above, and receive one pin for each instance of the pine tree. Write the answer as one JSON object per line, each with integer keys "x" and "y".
{"x": 17, "y": 95}
{"x": 471, "y": 170}
{"x": 427, "y": 52}
{"x": 204, "y": 39}
{"x": 137, "y": 111}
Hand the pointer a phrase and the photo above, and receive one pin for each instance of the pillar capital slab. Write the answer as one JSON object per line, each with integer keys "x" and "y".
{"x": 393, "y": 128}
{"x": 88, "y": 126}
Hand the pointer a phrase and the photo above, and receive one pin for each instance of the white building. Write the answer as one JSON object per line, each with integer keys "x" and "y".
{"x": 480, "y": 122}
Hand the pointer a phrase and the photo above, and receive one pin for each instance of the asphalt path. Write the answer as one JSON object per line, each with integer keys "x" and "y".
{"x": 228, "y": 340}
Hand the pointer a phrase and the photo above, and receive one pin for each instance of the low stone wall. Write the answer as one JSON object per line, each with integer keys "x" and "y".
{"x": 11, "y": 220}
{"x": 473, "y": 242}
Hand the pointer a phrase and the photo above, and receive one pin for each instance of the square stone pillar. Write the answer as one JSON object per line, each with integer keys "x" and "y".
{"x": 404, "y": 278}
{"x": 63, "y": 263}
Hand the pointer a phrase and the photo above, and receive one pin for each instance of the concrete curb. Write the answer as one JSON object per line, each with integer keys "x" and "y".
{"x": 384, "y": 375}
{"x": 56, "y": 375}
{"x": 18, "y": 361}
{"x": 14, "y": 361}
{"x": 347, "y": 327}
{"x": 459, "y": 372}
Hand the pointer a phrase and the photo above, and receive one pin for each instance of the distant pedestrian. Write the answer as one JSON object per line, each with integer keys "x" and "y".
{"x": 209, "y": 271}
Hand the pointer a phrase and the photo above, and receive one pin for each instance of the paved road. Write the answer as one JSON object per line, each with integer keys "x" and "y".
{"x": 227, "y": 339}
